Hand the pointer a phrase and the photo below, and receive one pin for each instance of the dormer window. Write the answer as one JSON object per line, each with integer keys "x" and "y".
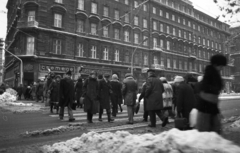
{"x": 31, "y": 16}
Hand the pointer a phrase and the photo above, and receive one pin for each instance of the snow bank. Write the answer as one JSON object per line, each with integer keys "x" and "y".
{"x": 173, "y": 141}
{"x": 235, "y": 124}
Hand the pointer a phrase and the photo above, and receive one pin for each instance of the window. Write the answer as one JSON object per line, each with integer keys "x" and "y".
{"x": 184, "y": 22}
{"x": 190, "y": 36}
{"x": 144, "y": 7}
{"x": 145, "y": 59}
{"x": 195, "y": 66}
{"x": 58, "y": 1}
{"x": 185, "y": 66}
{"x": 199, "y": 29}
{"x": 168, "y": 63}
{"x": 168, "y": 45}
{"x": 116, "y": 14}
{"x": 145, "y": 43}
{"x": 30, "y": 45}
{"x": 105, "y": 11}
{"x": 161, "y": 27}
{"x": 126, "y": 36}
{"x": 136, "y": 38}
{"x": 162, "y": 61}
{"x": 174, "y": 31}
{"x": 189, "y": 23}
{"x": 204, "y": 43}
{"x": 216, "y": 45}
{"x": 199, "y": 54}
{"x": 136, "y": 59}
{"x": 179, "y": 33}
{"x": 126, "y": 2}
{"x": 94, "y": 8}
{"x": 154, "y": 25}
{"x": 154, "y": 10}
{"x": 105, "y": 53}
{"x": 179, "y": 20}
{"x": 168, "y": 31}
{"x": 126, "y": 18}
{"x": 180, "y": 65}
{"x": 167, "y": 15}
{"x": 204, "y": 55}
{"x": 220, "y": 47}
{"x": 161, "y": 43}
{"x": 58, "y": 20}
{"x": 31, "y": 16}
{"x": 200, "y": 67}
{"x": 190, "y": 66}
{"x": 160, "y": 12}
{"x": 185, "y": 35}
{"x": 194, "y": 27}
{"x": 135, "y": 4}
{"x": 135, "y": 20}
{"x": 173, "y": 17}
{"x": 208, "y": 43}
{"x": 154, "y": 42}
{"x": 80, "y": 26}
{"x": 93, "y": 29}
{"x": 57, "y": 46}
{"x": 117, "y": 34}
{"x": 175, "y": 64}
{"x": 94, "y": 52}
{"x": 144, "y": 23}
{"x": 199, "y": 40}
{"x": 126, "y": 58}
{"x": 155, "y": 59}
{"x": 116, "y": 56}
{"x": 80, "y": 50}
{"x": 81, "y": 4}
{"x": 212, "y": 44}
{"x": 105, "y": 31}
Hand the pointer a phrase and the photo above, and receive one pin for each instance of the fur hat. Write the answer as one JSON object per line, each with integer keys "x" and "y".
{"x": 114, "y": 77}
{"x": 178, "y": 79}
{"x": 218, "y": 60}
{"x": 128, "y": 75}
{"x": 69, "y": 72}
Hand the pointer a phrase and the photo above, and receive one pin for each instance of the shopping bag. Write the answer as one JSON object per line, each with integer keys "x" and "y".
{"x": 193, "y": 117}
{"x": 181, "y": 123}
{"x": 136, "y": 107}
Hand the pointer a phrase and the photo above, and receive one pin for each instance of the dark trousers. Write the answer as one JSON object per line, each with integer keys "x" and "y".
{"x": 114, "y": 100}
{"x": 89, "y": 116}
{"x": 78, "y": 104}
{"x": 145, "y": 112}
{"x": 153, "y": 114}
{"x": 70, "y": 113}
{"x": 101, "y": 112}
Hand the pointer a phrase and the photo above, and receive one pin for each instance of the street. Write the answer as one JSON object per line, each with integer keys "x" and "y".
{"x": 13, "y": 125}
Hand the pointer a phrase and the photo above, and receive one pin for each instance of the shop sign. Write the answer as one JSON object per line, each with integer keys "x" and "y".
{"x": 54, "y": 68}
{"x": 99, "y": 71}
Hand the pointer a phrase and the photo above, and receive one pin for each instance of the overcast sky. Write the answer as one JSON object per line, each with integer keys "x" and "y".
{"x": 207, "y": 6}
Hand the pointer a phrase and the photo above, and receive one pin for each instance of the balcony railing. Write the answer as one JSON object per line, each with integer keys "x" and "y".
{"x": 32, "y": 24}
{"x": 23, "y": 24}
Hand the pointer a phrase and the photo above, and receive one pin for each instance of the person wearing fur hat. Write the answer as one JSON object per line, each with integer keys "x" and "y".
{"x": 129, "y": 91}
{"x": 116, "y": 94}
{"x": 54, "y": 93}
{"x": 105, "y": 91}
{"x": 209, "y": 118}
{"x": 66, "y": 96}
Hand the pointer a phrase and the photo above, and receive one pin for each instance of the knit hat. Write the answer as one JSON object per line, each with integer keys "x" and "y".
{"x": 128, "y": 75}
{"x": 178, "y": 79}
{"x": 114, "y": 77}
{"x": 200, "y": 78}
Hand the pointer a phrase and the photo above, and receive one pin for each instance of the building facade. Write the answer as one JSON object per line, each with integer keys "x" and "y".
{"x": 1, "y": 59}
{"x": 170, "y": 36}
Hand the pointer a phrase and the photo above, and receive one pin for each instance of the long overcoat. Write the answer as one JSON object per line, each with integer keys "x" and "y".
{"x": 66, "y": 92}
{"x": 116, "y": 95}
{"x": 153, "y": 93}
{"x": 90, "y": 94}
{"x": 54, "y": 91}
{"x": 185, "y": 99}
{"x": 129, "y": 91}
{"x": 105, "y": 90}
{"x": 39, "y": 89}
{"x": 78, "y": 89}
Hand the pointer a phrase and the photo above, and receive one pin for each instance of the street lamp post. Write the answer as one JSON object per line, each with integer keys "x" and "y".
{"x": 21, "y": 65}
{"x": 134, "y": 53}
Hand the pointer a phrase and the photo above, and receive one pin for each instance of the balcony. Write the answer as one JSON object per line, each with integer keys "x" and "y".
{"x": 192, "y": 56}
{"x": 32, "y": 24}
{"x": 29, "y": 24}
{"x": 158, "y": 67}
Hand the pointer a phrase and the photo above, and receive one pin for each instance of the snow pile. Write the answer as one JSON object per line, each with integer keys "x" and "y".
{"x": 235, "y": 124}
{"x": 11, "y": 91}
{"x": 9, "y": 95}
{"x": 231, "y": 119}
{"x": 19, "y": 104}
{"x": 173, "y": 141}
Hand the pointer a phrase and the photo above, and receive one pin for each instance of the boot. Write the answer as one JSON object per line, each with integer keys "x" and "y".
{"x": 100, "y": 117}
{"x": 109, "y": 118}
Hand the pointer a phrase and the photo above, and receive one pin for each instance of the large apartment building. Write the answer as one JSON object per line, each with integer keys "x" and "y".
{"x": 170, "y": 36}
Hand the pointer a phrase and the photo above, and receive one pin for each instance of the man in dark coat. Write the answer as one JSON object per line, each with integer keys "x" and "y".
{"x": 54, "y": 93}
{"x": 78, "y": 91}
{"x": 20, "y": 91}
{"x": 116, "y": 94}
{"x": 185, "y": 98}
{"x": 145, "y": 114}
{"x": 129, "y": 91}
{"x": 90, "y": 94}
{"x": 66, "y": 96}
{"x": 153, "y": 95}
{"x": 105, "y": 91}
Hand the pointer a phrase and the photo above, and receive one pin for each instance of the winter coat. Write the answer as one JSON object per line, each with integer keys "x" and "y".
{"x": 142, "y": 96}
{"x": 105, "y": 91}
{"x": 129, "y": 91}
{"x": 212, "y": 85}
{"x": 39, "y": 89}
{"x": 33, "y": 91}
{"x": 153, "y": 93}
{"x": 116, "y": 91}
{"x": 54, "y": 91}
{"x": 78, "y": 90}
{"x": 66, "y": 92}
{"x": 90, "y": 94}
{"x": 167, "y": 95}
{"x": 20, "y": 90}
{"x": 185, "y": 99}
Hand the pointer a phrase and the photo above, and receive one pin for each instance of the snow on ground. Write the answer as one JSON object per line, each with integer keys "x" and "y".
{"x": 172, "y": 141}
